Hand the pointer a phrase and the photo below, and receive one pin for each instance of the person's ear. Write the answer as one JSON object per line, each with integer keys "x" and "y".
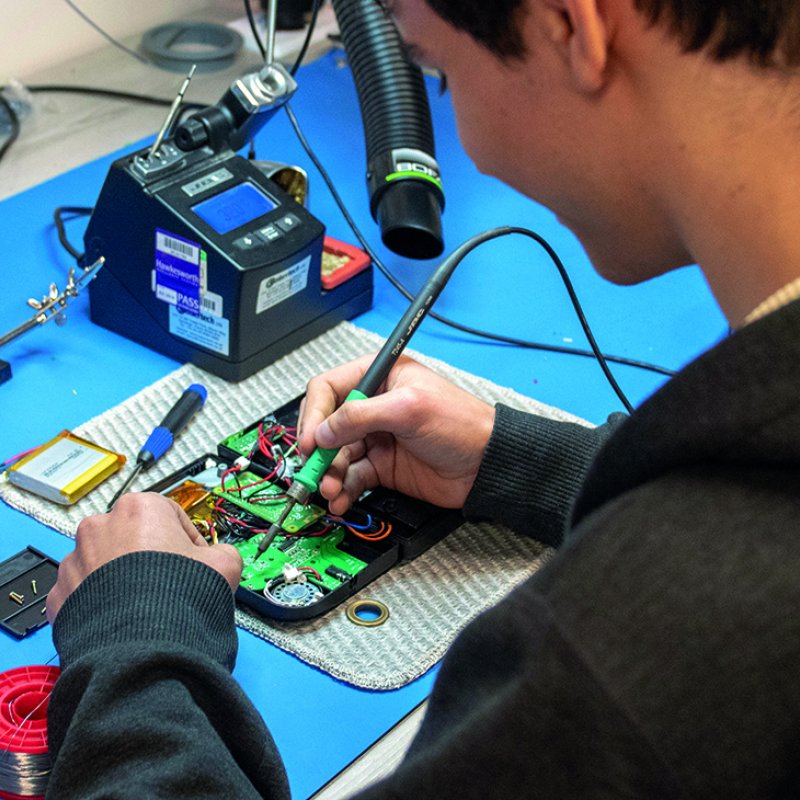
{"x": 580, "y": 29}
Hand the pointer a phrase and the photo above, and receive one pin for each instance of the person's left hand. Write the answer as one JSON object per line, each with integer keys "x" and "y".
{"x": 145, "y": 521}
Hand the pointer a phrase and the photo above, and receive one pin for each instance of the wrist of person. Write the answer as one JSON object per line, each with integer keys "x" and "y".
{"x": 146, "y": 597}
{"x": 532, "y": 469}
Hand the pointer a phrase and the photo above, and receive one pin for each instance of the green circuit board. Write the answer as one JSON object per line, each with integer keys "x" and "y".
{"x": 249, "y": 505}
{"x": 320, "y": 553}
{"x": 242, "y": 442}
{"x": 266, "y": 500}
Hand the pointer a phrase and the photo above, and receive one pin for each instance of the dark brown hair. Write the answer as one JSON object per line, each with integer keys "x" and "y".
{"x": 765, "y": 31}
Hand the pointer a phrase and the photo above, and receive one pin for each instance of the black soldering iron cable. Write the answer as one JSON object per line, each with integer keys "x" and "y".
{"x": 594, "y": 353}
{"x": 602, "y": 358}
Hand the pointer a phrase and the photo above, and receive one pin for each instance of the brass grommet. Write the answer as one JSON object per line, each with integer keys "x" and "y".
{"x": 372, "y": 606}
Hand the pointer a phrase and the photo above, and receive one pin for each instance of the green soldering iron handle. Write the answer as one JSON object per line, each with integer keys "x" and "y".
{"x": 318, "y": 462}
{"x": 311, "y": 472}
{"x": 306, "y": 481}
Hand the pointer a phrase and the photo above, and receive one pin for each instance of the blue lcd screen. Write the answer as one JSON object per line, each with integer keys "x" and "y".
{"x": 234, "y": 207}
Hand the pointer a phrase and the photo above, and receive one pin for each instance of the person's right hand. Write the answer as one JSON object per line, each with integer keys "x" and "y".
{"x": 420, "y": 435}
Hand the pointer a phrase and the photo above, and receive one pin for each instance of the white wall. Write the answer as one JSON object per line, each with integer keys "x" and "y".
{"x": 35, "y": 34}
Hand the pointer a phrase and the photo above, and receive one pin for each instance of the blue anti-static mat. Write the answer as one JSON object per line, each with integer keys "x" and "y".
{"x": 64, "y": 376}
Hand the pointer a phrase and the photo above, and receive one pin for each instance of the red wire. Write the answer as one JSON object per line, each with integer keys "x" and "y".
{"x": 311, "y": 570}
{"x": 248, "y": 485}
{"x": 225, "y": 475}
{"x": 221, "y": 511}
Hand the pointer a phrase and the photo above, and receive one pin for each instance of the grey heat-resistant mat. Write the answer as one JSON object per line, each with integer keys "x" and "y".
{"x": 429, "y": 599}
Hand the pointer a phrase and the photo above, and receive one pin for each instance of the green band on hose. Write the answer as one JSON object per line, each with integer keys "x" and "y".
{"x": 410, "y": 173}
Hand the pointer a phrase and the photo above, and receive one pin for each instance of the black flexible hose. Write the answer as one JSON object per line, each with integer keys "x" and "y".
{"x": 406, "y": 197}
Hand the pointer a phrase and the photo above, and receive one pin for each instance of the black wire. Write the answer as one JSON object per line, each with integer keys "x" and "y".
{"x": 510, "y": 340}
{"x": 254, "y": 28}
{"x": 107, "y": 36}
{"x": 312, "y": 23}
{"x": 14, "y": 120}
{"x": 601, "y": 359}
{"x": 58, "y": 218}
{"x": 114, "y": 94}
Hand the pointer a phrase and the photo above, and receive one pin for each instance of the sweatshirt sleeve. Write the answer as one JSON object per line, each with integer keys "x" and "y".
{"x": 532, "y": 471}
{"x": 145, "y": 705}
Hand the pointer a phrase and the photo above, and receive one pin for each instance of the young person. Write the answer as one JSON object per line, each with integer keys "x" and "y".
{"x": 655, "y": 655}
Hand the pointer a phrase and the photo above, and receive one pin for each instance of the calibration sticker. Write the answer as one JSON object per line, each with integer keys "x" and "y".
{"x": 203, "y": 330}
{"x": 180, "y": 271}
{"x": 282, "y": 285}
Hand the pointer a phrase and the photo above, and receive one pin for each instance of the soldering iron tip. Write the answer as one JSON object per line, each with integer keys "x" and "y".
{"x": 266, "y": 540}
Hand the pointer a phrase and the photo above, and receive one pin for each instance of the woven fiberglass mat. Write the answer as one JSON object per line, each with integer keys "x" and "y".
{"x": 429, "y": 599}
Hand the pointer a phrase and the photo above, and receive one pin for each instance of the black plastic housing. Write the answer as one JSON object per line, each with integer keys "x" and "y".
{"x": 30, "y": 575}
{"x": 262, "y": 296}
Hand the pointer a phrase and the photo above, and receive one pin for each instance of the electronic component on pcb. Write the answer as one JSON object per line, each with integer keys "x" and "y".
{"x": 291, "y": 574}
{"x": 189, "y": 494}
{"x": 337, "y": 573}
{"x": 292, "y": 594}
{"x": 266, "y": 500}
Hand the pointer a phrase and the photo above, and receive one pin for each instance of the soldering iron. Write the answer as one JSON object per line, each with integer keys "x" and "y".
{"x": 306, "y": 480}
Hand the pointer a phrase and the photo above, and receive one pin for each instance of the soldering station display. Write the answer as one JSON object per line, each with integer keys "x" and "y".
{"x": 319, "y": 560}
{"x": 234, "y": 207}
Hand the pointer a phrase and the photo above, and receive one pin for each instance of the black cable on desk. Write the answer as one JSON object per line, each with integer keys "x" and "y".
{"x": 14, "y": 119}
{"x": 58, "y": 219}
{"x": 114, "y": 94}
{"x": 93, "y": 90}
